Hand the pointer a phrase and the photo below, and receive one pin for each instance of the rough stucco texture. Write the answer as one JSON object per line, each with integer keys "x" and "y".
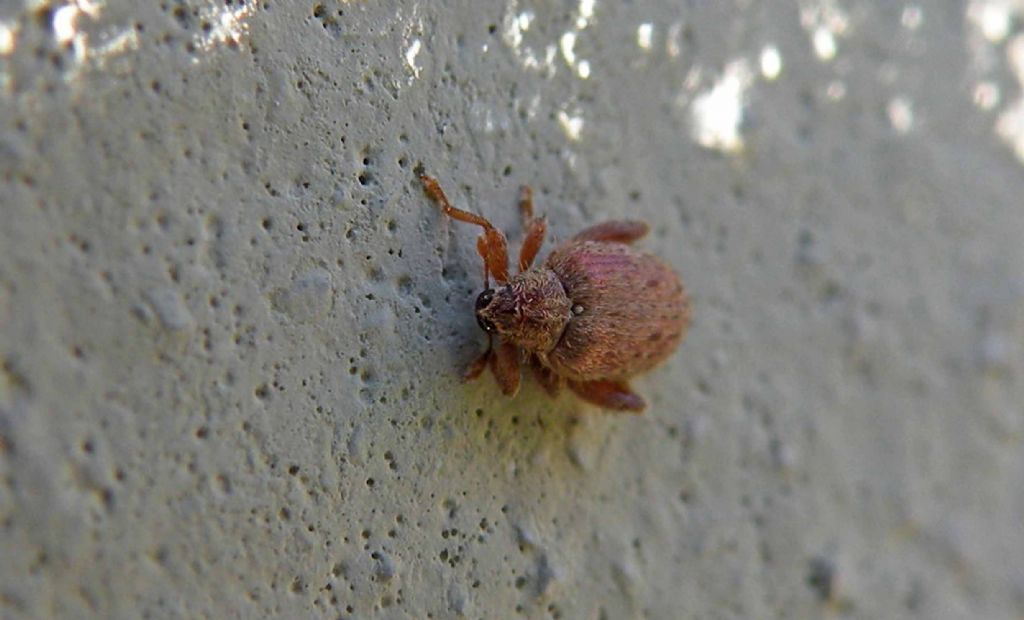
{"x": 231, "y": 325}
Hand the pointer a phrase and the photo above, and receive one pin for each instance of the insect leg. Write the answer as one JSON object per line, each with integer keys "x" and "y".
{"x": 473, "y": 370}
{"x": 505, "y": 366}
{"x": 616, "y": 231}
{"x": 614, "y": 395}
{"x": 491, "y": 246}
{"x": 526, "y": 203}
{"x": 433, "y": 189}
{"x": 551, "y": 382}
{"x": 531, "y": 244}
{"x": 535, "y": 229}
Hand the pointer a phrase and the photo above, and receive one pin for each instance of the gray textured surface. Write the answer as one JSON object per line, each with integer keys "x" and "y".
{"x": 231, "y": 324}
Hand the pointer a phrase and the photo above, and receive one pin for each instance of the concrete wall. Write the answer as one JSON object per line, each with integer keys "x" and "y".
{"x": 231, "y": 325}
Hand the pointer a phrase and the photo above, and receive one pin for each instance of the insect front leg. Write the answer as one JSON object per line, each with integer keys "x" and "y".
{"x": 535, "y": 229}
{"x": 474, "y": 370}
{"x": 505, "y": 367}
{"x": 491, "y": 245}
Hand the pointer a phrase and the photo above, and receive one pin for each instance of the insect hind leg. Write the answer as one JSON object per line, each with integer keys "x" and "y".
{"x": 614, "y": 231}
{"x": 608, "y": 394}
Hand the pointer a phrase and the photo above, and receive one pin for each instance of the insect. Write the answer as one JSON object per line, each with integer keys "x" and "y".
{"x": 593, "y": 314}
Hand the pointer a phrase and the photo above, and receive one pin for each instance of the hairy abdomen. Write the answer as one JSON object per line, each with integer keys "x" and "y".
{"x": 633, "y": 311}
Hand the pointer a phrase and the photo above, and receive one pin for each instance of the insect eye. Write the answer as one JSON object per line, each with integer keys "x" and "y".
{"x": 484, "y": 299}
{"x": 482, "y": 302}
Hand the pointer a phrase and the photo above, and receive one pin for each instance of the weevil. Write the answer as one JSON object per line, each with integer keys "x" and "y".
{"x": 592, "y": 315}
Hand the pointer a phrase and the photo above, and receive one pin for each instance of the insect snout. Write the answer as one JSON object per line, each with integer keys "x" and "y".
{"x": 482, "y": 301}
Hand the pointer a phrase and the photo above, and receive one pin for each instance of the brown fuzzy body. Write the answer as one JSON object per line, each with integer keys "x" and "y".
{"x": 592, "y": 315}
{"x": 634, "y": 311}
